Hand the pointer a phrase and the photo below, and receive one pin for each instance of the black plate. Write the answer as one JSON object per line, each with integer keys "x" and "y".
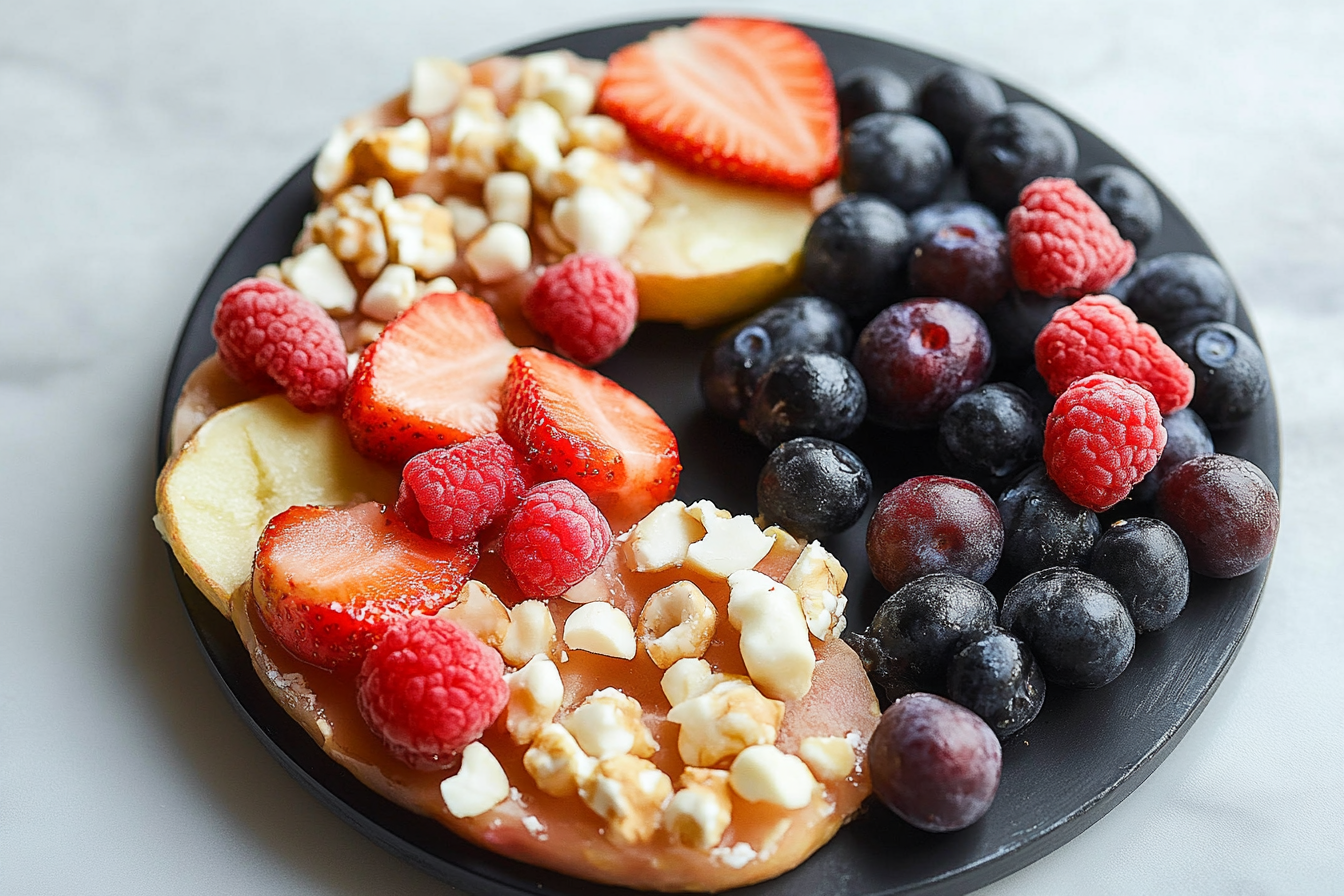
{"x": 1086, "y": 751}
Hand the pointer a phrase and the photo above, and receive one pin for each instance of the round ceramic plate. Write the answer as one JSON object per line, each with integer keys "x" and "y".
{"x": 1081, "y": 756}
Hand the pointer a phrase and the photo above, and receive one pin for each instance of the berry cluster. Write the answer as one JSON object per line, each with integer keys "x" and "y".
{"x": 986, "y": 321}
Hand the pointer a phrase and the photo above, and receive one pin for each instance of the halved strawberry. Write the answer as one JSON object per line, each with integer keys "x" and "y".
{"x": 749, "y": 99}
{"x": 432, "y": 379}
{"x": 572, "y": 423}
{"x": 328, "y": 581}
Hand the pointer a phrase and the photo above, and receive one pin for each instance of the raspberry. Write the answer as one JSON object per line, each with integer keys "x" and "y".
{"x": 1097, "y": 334}
{"x": 461, "y": 490}
{"x": 268, "y": 333}
{"x": 1102, "y": 437}
{"x": 429, "y": 688}
{"x": 555, "y": 539}
{"x": 1062, "y": 243}
{"x": 587, "y": 304}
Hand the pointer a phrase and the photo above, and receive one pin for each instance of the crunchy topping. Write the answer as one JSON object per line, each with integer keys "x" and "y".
{"x": 436, "y": 85}
{"x": 609, "y": 723}
{"x": 598, "y": 627}
{"x": 531, "y": 633}
{"x": 774, "y": 643}
{"x": 352, "y": 228}
{"x": 731, "y": 543}
{"x": 677, "y": 622}
{"x": 829, "y": 758}
{"x": 819, "y": 581}
{"x": 556, "y": 762}
{"x": 721, "y": 722}
{"x": 535, "y": 695}
{"x": 420, "y": 234}
{"x": 395, "y": 290}
{"x": 661, "y": 539}
{"x": 629, "y": 793}
{"x": 701, "y": 809}
{"x": 501, "y": 252}
{"x": 397, "y": 153}
{"x": 478, "y": 611}
{"x": 764, "y": 774}
{"x": 319, "y": 275}
{"x": 479, "y": 785}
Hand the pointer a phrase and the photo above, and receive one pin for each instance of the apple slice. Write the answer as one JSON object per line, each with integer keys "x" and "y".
{"x": 714, "y": 250}
{"x": 244, "y": 465}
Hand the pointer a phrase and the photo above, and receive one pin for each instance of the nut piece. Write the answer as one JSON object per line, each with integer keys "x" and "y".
{"x": 478, "y": 611}
{"x": 476, "y": 133}
{"x": 661, "y": 539}
{"x": 436, "y": 85}
{"x": 393, "y": 292}
{"x": 531, "y": 632}
{"x": 321, "y": 277}
{"x": 556, "y": 762}
{"x": 701, "y": 809}
{"x": 501, "y": 252}
{"x": 819, "y": 581}
{"x": 774, "y": 643}
{"x": 438, "y": 284}
{"x": 397, "y": 153}
{"x": 334, "y": 167}
{"x": 534, "y": 134}
{"x": 686, "y": 679}
{"x": 420, "y": 234}
{"x": 599, "y": 132}
{"x": 677, "y": 622}
{"x": 542, "y": 71}
{"x": 508, "y": 197}
{"x": 721, "y": 722}
{"x": 535, "y": 694}
{"x": 351, "y": 226}
{"x": 763, "y": 774}
{"x": 598, "y": 627}
{"x": 829, "y": 758}
{"x": 608, "y": 723}
{"x": 730, "y": 544}
{"x": 629, "y": 793}
{"x": 479, "y": 785}
{"x": 572, "y": 95}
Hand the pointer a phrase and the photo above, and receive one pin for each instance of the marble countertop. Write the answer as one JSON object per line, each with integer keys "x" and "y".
{"x": 137, "y": 137}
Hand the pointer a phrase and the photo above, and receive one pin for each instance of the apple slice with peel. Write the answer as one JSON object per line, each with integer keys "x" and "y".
{"x": 243, "y": 466}
{"x": 714, "y": 250}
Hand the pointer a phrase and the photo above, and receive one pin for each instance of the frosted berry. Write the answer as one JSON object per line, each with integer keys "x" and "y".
{"x": 955, "y": 100}
{"x": 964, "y": 263}
{"x": 1144, "y": 560}
{"x": 1231, "y": 377}
{"x": 934, "y": 763}
{"x": 990, "y": 434}
{"x": 854, "y": 254}
{"x": 996, "y": 677}
{"x": 1097, "y": 334}
{"x": 461, "y": 490}
{"x": 868, "y": 89}
{"x": 1061, "y": 243}
{"x": 812, "y": 487}
{"x": 1009, "y": 150}
{"x": 554, "y": 539}
{"x": 270, "y": 335}
{"x": 896, "y": 156}
{"x": 1180, "y": 289}
{"x": 1226, "y": 511}
{"x": 934, "y": 524}
{"x": 587, "y": 304}
{"x": 429, "y": 688}
{"x": 1103, "y": 436}
{"x": 1187, "y": 437}
{"x": 1075, "y": 624}
{"x": 1042, "y": 528}
{"x": 930, "y": 219}
{"x": 1127, "y": 199}
{"x": 919, "y": 356}
{"x": 806, "y": 394}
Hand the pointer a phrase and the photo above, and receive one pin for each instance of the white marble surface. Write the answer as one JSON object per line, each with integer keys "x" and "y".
{"x": 137, "y": 135}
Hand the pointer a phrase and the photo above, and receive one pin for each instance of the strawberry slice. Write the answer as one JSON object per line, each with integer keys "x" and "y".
{"x": 747, "y": 99}
{"x": 432, "y": 379}
{"x": 572, "y": 423}
{"x": 328, "y": 581}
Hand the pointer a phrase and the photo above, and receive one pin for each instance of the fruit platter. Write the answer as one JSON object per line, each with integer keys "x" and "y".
{"x": 776, "y": 434}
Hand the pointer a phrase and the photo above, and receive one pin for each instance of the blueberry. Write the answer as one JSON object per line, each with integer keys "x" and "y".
{"x": 930, "y": 219}
{"x": 1225, "y": 510}
{"x": 1180, "y": 289}
{"x": 1231, "y": 379}
{"x": 735, "y": 362}
{"x": 918, "y": 357}
{"x": 955, "y": 100}
{"x": 1042, "y": 528}
{"x": 962, "y": 263}
{"x": 1075, "y": 624}
{"x": 812, "y": 487}
{"x": 1187, "y": 437}
{"x": 935, "y": 764}
{"x": 1014, "y": 322}
{"x": 854, "y": 254}
{"x": 1011, "y": 149}
{"x": 1127, "y": 199}
{"x": 871, "y": 88}
{"x": 806, "y": 394}
{"x": 899, "y": 157}
{"x": 917, "y": 629}
{"x": 996, "y": 677}
{"x": 934, "y": 524}
{"x": 990, "y": 434}
{"x": 1144, "y": 560}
